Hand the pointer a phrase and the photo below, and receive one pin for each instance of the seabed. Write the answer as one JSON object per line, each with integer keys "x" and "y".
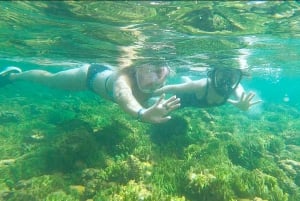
{"x": 76, "y": 146}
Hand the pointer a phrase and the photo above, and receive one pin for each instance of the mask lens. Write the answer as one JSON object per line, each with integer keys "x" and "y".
{"x": 227, "y": 78}
{"x": 151, "y": 78}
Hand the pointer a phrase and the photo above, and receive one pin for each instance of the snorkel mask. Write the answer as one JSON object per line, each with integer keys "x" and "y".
{"x": 149, "y": 78}
{"x": 225, "y": 81}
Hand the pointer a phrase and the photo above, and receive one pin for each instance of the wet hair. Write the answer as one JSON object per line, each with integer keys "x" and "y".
{"x": 150, "y": 62}
{"x": 244, "y": 71}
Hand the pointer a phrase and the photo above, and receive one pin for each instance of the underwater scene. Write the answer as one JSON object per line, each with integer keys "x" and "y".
{"x": 60, "y": 145}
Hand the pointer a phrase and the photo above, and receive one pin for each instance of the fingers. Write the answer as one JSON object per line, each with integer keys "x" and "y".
{"x": 174, "y": 105}
{"x": 161, "y": 98}
{"x": 164, "y": 119}
{"x": 255, "y": 102}
{"x": 250, "y": 96}
{"x": 158, "y": 91}
{"x": 174, "y": 102}
{"x": 171, "y": 104}
{"x": 243, "y": 96}
{"x": 170, "y": 99}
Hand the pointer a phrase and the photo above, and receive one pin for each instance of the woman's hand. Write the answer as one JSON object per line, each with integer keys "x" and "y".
{"x": 159, "y": 112}
{"x": 244, "y": 103}
{"x": 159, "y": 91}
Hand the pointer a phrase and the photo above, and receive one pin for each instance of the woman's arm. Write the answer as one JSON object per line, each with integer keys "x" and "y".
{"x": 123, "y": 95}
{"x": 243, "y": 100}
{"x": 186, "y": 87}
{"x": 157, "y": 113}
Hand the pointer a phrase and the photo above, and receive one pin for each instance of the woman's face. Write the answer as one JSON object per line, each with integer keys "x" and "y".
{"x": 226, "y": 80}
{"x": 150, "y": 78}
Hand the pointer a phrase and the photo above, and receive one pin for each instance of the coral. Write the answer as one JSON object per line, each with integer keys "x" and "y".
{"x": 127, "y": 192}
{"x": 130, "y": 169}
{"x": 199, "y": 180}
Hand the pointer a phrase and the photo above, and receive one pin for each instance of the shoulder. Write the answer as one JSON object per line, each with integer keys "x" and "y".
{"x": 201, "y": 86}
{"x": 199, "y": 83}
{"x": 125, "y": 74}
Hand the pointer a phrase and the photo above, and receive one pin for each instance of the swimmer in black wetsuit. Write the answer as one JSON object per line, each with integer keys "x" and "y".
{"x": 215, "y": 90}
{"x": 129, "y": 87}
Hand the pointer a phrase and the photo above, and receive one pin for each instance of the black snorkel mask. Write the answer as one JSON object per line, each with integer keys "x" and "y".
{"x": 225, "y": 81}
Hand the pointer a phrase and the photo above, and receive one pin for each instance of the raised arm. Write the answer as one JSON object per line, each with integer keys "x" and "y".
{"x": 124, "y": 96}
{"x": 243, "y": 101}
{"x": 187, "y": 87}
{"x": 157, "y": 113}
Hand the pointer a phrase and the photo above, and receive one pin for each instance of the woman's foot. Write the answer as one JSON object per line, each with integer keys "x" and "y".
{"x": 4, "y": 74}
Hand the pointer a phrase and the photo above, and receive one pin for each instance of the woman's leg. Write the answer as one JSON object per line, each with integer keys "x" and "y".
{"x": 73, "y": 79}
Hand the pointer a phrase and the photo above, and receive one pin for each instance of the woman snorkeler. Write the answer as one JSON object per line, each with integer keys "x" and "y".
{"x": 215, "y": 90}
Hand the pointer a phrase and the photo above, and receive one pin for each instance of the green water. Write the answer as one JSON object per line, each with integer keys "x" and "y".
{"x": 58, "y": 145}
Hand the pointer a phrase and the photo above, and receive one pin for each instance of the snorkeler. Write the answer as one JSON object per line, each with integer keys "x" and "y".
{"x": 129, "y": 87}
{"x": 215, "y": 90}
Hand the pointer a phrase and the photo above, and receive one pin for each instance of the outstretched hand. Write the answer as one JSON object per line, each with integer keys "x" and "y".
{"x": 244, "y": 103}
{"x": 159, "y": 111}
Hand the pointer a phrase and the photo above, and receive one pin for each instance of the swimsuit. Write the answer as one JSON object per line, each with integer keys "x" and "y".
{"x": 191, "y": 100}
{"x": 93, "y": 70}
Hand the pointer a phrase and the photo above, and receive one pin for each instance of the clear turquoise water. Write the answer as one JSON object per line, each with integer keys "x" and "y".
{"x": 53, "y": 35}
{"x": 188, "y": 34}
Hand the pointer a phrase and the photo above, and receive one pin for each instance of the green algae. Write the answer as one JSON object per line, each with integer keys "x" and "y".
{"x": 65, "y": 146}
{"x": 200, "y": 154}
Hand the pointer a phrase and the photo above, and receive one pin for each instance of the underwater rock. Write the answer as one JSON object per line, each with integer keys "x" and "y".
{"x": 130, "y": 169}
{"x": 120, "y": 171}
